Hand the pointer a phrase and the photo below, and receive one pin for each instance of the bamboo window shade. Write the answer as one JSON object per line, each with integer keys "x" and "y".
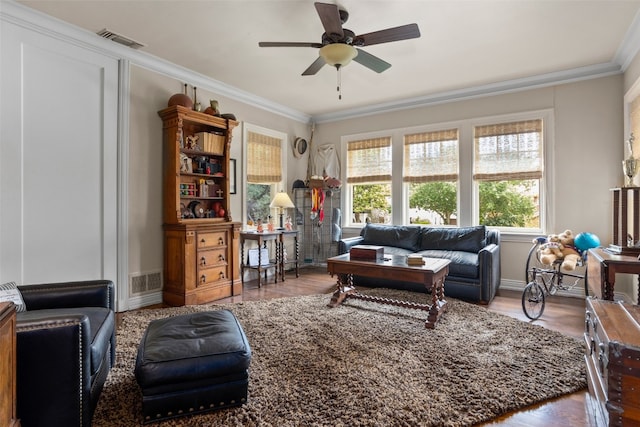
{"x": 264, "y": 159}
{"x": 431, "y": 156}
{"x": 508, "y": 151}
{"x": 369, "y": 160}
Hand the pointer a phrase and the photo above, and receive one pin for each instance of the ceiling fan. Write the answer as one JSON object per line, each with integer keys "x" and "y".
{"x": 340, "y": 45}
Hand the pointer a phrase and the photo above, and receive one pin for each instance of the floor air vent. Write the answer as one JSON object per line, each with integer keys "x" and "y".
{"x": 143, "y": 283}
{"x": 119, "y": 38}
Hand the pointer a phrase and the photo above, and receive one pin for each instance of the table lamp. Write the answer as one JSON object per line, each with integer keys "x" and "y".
{"x": 281, "y": 201}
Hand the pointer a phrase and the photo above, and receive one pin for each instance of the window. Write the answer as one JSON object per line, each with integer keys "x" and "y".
{"x": 431, "y": 175}
{"x": 508, "y": 166}
{"x": 369, "y": 166}
{"x": 265, "y": 171}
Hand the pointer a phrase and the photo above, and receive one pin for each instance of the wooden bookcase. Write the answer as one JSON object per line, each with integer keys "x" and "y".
{"x": 200, "y": 239}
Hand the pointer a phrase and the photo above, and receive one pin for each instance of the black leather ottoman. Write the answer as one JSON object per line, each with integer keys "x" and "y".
{"x": 192, "y": 363}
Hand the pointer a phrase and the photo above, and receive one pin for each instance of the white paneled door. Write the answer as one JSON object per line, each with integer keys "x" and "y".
{"x": 58, "y": 159}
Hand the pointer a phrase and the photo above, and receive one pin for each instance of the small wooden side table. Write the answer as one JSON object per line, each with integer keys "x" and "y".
{"x": 602, "y": 267}
{"x": 261, "y": 239}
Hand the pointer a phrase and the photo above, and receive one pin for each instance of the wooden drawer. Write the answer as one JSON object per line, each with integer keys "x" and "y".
{"x": 212, "y": 258}
{"x": 212, "y": 239}
{"x": 612, "y": 355}
{"x": 213, "y": 275}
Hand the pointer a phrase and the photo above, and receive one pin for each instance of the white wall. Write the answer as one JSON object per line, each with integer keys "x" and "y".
{"x": 58, "y": 160}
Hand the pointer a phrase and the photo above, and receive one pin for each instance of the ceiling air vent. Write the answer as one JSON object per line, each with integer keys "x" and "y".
{"x": 119, "y": 38}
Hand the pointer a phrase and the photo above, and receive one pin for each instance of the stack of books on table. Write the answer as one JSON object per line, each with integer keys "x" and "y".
{"x": 415, "y": 259}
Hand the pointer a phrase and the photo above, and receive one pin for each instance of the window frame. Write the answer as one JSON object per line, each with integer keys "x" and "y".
{"x": 348, "y": 187}
{"x": 547, "y": 219}
{"x": 468, "y": 197}
{"x": 275, "y": 187}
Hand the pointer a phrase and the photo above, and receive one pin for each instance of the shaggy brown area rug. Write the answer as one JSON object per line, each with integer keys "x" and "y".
{"x": 367, "y": 364}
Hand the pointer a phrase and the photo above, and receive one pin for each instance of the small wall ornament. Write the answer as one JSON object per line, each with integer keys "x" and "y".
{"x": 630, "y": 164}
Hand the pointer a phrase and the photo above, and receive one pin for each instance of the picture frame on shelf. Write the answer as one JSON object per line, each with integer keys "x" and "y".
{"x": 232, "y": 176}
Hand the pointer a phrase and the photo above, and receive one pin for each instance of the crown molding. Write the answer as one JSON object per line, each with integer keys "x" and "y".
{"x": 630, "y": 44}
{"x": 507, "y": 86}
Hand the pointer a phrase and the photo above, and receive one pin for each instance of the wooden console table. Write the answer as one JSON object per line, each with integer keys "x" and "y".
{"x": 602, "y": 267}
{"x": 432, "y": 274}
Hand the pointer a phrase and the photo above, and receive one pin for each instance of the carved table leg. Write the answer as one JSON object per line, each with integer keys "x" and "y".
{"x": 342, "y": 290}
{"x": 438, "y": 303}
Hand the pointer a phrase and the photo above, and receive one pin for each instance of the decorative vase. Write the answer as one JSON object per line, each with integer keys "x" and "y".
{"x": 181, "y": 99}
{"x": 196, "y": 105}
{"x": 630, "y": 165}
{"x": 213, "y": 108}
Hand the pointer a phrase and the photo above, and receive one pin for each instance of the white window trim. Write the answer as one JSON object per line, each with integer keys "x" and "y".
{"x": 547, "y": 217}
{"x": 282, "y": 185}
{"x": 347, "y": 193}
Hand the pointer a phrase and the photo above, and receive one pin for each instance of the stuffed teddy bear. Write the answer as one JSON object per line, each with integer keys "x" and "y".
{"x": 551, "y": 250}
{"x": 560, "y": 247}
{"x": 570, "y": 256}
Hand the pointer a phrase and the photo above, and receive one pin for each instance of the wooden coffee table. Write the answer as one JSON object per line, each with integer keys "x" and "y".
{"x": 393, "y": 267}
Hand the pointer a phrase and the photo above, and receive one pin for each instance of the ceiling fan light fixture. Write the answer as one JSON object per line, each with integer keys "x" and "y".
{"x": 338, "y": 54}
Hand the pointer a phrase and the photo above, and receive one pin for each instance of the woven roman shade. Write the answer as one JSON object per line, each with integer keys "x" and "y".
{"x": 431, "y": 156}
{"x": 369, "y": 160}
{"x": 508, "y": 151}
{"x": 264, "y": 154}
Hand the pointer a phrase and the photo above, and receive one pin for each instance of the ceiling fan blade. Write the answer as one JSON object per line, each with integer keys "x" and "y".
{"x": 370, "y": 61}
{"x": 404, "y": 32}
{"x": 330, "y": 17}
{"x": 289, "y": 44}
{"x": 315, "y": 67}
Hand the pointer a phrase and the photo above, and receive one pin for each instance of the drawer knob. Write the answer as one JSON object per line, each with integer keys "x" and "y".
{"x": 221, "y": 241}
{"x": 203, "y": 278}
{"x": 203, "y": 240}
{"x": 203, "y": 261}
{"x": 220, "y": 257}
{"x": 221, "y": 275}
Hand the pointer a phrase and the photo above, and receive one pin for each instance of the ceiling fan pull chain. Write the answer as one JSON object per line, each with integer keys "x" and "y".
{"x": 339, "y": 88}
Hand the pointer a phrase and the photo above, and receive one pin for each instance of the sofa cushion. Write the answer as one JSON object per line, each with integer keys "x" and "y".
{"x": 467, "y": 239}
{"x": 463, "y": 264}
{"x": 400, "y": 236}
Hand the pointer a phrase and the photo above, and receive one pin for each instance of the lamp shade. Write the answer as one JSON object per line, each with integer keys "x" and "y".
{"x": 338, "y": 54}
{"x": 282, "y": 200}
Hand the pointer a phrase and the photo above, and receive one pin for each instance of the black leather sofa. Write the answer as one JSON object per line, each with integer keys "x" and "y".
{"x": 65, "y": 348}
{"x": 474, "y": 272}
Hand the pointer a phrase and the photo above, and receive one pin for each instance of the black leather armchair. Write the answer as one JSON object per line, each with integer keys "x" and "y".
{"x": 65, "y": 348}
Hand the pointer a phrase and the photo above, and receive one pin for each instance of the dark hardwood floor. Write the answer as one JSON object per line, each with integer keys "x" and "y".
{"x": 562, "y": 314}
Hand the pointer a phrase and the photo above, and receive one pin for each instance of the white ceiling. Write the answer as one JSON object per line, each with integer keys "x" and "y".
{"x": 465, "y": 45}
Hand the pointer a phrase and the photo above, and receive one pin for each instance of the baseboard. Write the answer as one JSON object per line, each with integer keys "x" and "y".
{"x": 151, "y": 298}
{"x": 576, "y": 292}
